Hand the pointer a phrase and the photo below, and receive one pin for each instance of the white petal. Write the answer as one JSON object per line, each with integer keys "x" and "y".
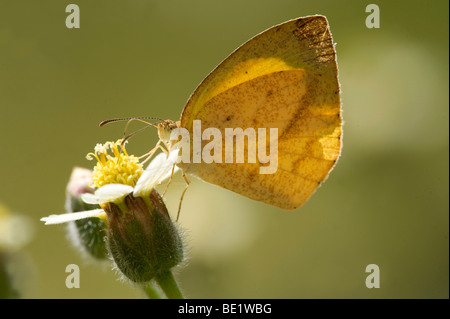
{"x": 166, "y": 170}
{"x": 89, "y": 198}
{"x": 112, "y": 192}
{"x": 168, "y": 173}
{"x": 64, "y": 218}
{"x": 107, "y": 193}
{"x": 148, "y": 178}
{"x": 158, "y": 170}
{"x": 173, "y": 156}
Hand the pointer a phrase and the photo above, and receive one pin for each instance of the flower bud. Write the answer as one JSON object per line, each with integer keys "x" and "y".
{"x": 142, "y": 238}
{"x": 87, "y": 234}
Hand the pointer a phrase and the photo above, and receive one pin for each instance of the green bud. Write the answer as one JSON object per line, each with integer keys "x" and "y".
{"x": 142, "y": 238}
{"x": 87, "y": 234}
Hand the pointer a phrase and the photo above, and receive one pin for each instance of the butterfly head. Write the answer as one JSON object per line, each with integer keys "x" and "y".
{"x": 165, "y": 128}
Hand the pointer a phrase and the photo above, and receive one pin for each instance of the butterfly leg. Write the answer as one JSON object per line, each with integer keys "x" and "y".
{"x": 186, "y": 179}
{"x": 152, "y": 151}
{"x": 170, "y": 180}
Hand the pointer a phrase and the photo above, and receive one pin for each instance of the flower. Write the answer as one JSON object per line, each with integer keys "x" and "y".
{"x": 141, "y": 237}
{"x": 118, "y": 169}
{"x": 109, "y": 171}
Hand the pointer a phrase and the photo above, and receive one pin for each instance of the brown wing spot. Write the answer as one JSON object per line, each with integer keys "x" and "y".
{"x": 310, "y": 28}
{"x": 314, "y": 30}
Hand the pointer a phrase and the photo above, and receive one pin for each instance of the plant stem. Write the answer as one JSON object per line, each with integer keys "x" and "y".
{"x": 151, "y": 291}
{"x": 169, "y": 285}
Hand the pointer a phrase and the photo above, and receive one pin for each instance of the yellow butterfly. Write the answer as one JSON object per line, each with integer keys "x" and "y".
{"x": 286, "y": 78}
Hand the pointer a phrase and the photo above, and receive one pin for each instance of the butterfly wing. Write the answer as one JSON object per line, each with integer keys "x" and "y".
{"x": 285, "y": 78}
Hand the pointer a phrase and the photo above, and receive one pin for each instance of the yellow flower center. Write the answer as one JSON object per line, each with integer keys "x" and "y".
{"x": 118, "y": 168}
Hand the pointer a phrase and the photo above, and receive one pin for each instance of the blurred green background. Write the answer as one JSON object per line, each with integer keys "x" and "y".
{"x": 385, "y": 203}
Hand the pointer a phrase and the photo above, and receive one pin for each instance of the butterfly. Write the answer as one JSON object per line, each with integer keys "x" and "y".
{"x": 285, "y": 78}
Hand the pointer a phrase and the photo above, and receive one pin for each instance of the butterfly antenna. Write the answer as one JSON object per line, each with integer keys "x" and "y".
{"x": 141, "y": 118}
{"x": 130, "y": 119}
{"x": 134, "y": 133}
